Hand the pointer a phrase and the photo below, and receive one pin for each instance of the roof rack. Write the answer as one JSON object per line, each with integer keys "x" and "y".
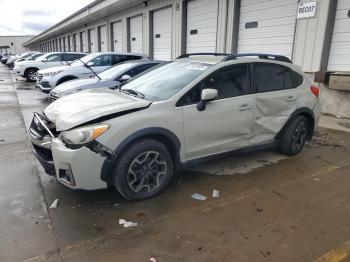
{"x": 261, "y": 56}
{"x": 199, "y": 54}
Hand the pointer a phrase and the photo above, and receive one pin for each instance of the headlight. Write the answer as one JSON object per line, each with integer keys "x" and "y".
{"x": 52, "y": 73}
{"x": 83, "y": 135}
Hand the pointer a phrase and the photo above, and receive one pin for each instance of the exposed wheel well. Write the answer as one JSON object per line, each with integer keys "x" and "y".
{"x": 66, "y": 78}
{"x": 171, "y": 143}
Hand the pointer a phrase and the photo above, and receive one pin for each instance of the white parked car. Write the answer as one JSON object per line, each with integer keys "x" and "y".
{"x": 134, "y": 138}
{"x": 98, "y": 62}
{"x": 29, "y": 69}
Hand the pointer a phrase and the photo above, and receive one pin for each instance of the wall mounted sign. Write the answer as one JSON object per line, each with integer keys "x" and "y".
{"x": 307, "y": 10}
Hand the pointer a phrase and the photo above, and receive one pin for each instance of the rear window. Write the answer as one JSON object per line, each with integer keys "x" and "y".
{"x": 272, "y": 77}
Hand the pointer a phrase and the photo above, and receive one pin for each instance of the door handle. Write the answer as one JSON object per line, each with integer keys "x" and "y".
{"x": 244, "y": 107}
{"x": 290, "y": 99}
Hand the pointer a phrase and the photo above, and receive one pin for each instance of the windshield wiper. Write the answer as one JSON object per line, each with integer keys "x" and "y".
{"x": 133, "y": 92}
{"x": 87, "y": 66}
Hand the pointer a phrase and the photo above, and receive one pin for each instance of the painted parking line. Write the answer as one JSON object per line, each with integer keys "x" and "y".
{"x": 341, "y": 253}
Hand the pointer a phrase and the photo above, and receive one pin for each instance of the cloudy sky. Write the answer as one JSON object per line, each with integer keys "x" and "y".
{"x": 30, "y": 17}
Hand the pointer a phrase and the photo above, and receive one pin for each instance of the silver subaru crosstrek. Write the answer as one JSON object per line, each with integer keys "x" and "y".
{"x": 198, "y": 106}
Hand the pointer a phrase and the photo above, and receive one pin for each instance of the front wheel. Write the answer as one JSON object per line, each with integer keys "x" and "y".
{"x": 295, "y": 135}
{"x": 144, "y": 170}
{"x": 31, "y": 75}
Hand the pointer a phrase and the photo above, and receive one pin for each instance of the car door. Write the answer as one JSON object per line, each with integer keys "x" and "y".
{"x": 275, "y": 99}
{"x": 226, "y": 122}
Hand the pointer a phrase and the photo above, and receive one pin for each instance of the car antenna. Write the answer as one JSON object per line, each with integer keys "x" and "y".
{"x": 90, "y": 69}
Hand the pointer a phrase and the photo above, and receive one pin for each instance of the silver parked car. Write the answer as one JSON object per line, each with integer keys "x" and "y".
{"x": 195, "y": 107}
{"x": 112, "y": 77}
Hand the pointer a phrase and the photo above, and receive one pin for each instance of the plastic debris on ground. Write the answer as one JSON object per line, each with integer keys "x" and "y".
{"x": 127, "y": 224}
{"x": 54, "y": 203}
{"x": 216, "y": 193}
{"x": 198, "y": 197}
{"x": 152, "y": 259}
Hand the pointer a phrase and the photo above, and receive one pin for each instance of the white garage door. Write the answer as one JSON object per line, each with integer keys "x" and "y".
{"x": 339, "y": 57}
{"x": 267, "y": 26}
{"x": 77, "y": 42}
{"x": 202, "y": 16}
{"x": 118, "y": 36}
{"x": 102, "y": 38}
{"x": 136, "y": 34}
{"x": 92, "y": 41}
{"x": 162, "y": 34}
{"x": 84, "y": 41}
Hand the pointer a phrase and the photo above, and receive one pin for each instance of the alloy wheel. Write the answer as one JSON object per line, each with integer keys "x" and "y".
{"x": 299, "y": 136}
{"x": 147, "y": 172}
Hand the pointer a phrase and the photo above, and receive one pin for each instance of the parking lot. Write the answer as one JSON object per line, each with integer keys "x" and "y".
{"x": 270, "y": 207}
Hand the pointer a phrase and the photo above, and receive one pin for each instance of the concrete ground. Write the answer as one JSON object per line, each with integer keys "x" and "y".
{"x": 270, "y": 208}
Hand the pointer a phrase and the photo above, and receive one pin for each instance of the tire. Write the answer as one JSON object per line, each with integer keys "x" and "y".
{"x": 137, "y": 176}
{"x": 295, "y": 136}
{"x": 31, "y": 74}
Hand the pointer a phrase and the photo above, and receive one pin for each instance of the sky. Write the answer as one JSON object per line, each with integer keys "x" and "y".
{"x": 30, "y": 17}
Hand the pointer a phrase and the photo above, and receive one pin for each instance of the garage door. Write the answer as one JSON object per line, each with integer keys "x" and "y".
{"x": 339, "y": 57}
{"x": 117, "y": 36}
{"x": 267, "y": 26}
{"x": 202, "y": 16}
{"x": 136, "y": 34}
{"x": 84, "y": 41}
{"x": 162, "y": 34}
{"x": 77, "y": 42}
{"x": 102, "y": 38}
{"x": 92, "y": 41}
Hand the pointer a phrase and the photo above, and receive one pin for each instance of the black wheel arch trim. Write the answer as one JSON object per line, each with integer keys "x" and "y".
{"x": 298, "y": 112}
{"x": 66, "y": 78}
{"x": 157, "y": 133}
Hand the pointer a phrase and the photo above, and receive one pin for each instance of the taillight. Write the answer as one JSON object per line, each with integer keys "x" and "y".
{"x": 315, "y": 90}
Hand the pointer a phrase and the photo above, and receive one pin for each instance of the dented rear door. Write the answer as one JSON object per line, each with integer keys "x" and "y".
{"x": 275, "y": 99}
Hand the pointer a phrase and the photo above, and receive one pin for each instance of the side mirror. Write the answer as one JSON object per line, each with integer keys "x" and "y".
{"x": 90, "y": 64}
{"x": 124, "y": 78}
{"x": 207, "y": 95}
{"x": 44, "y": 60}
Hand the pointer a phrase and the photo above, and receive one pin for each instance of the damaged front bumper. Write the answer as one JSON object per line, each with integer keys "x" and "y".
{"x": 74, "y": 168}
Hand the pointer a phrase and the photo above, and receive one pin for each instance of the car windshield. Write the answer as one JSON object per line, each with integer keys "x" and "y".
{"x": 115, "y": 71}
{"x": 166, "y": 80}
{"x": 85, "y": 59}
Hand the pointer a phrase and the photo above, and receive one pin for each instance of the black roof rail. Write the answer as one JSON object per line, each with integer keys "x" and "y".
{"x": 199, "y": 54}
{"x": 261, "y": 56}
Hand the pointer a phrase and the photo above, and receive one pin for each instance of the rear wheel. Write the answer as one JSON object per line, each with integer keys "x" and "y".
{"x": 295, "y": 135}
{"x": 31, "y": 74}
{"x": 143, "y": 170}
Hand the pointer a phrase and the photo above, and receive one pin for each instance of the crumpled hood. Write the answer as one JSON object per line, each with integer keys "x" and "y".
{"x": 81, "y": 84}
{"x": 79, "y": 108}
{"x": 53, "y": 69}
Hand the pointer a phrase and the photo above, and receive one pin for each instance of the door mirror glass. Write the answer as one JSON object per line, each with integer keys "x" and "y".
{"x": 124, "y": 78}
{"x": 90, "y": 64}
{"x": 209, "y": 94}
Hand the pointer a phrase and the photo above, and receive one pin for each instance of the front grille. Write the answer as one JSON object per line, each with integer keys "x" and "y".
{"x": 39, "y": 77}
{"x": 38, "y": 130}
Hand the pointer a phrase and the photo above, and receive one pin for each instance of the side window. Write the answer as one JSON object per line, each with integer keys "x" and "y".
{"x": 71, "y": 57}
{"x": 298, "y": 79}
{"x": 116, "y": 59}
{"x": 138, "y": 69}
{"x": 230, "y": 82}
{"x": 272, "y": 77}
{"x": 103, "y": 60}
{"x": 54, "y": 58}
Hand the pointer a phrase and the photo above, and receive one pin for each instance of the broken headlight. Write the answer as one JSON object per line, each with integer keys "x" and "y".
{"x": 83, "y": 135}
